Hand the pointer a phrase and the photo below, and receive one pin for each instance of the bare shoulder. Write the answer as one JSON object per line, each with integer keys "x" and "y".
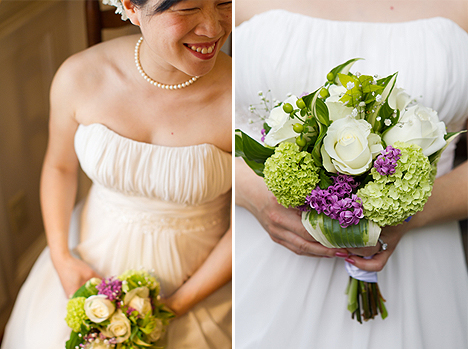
{"x": 77, "y": 74}
{"x": 88, "y": 72}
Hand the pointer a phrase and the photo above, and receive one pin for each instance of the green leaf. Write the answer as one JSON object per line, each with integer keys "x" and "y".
{"x": 308, "y": 100}
{"x": 250, "y": 148}
{"x": 449, "y": 137}
{"x": 325, "y": 179}
{"x": 74, "y": 341}
{"x": 329, "y": 233}
{"x": 239, "y": 146}
{"x": 387, "y": 83}
{"x": 316, "y": 155}
{"x": 352, "y": 236}
{"x": 343, "y": 69}
{"x": 321, "y": 112}
{"x": 83, "y": 291}
{"x": 253, "y": 153}
{"x": 385, "y": 113}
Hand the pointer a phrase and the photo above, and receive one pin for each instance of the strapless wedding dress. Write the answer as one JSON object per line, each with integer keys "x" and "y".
{"x": 153, "y": 207}
{"x": 288, "y": 301}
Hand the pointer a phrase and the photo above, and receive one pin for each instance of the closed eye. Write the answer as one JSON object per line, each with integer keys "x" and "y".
{"x": 188, "y": 9}
{"x": 226, "y": 3}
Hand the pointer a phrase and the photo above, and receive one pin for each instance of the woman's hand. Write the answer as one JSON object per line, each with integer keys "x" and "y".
{"x": 285, "y": 228}
{"x": 391, "y": 235}
{"x": 214, "y": 273}
{"x": 175, "y": 305}
{"x": 283, "y": 224}
{"x": 73, "y": 274}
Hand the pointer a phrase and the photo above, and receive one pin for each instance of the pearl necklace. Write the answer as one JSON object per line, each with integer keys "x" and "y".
{"x": 153, "y": 82}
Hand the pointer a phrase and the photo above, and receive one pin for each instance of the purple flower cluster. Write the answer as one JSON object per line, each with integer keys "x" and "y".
{"x": 386, "y": 162}
{"x": 110, "y": 287}
{"x": 263, "y": 135}
{"x": 130, "y": 310}
{"x": 338, "y": 201}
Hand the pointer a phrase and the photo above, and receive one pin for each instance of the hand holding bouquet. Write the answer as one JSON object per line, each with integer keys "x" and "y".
{"x": 354, "y": 156}
{"x": 122, "y": 312}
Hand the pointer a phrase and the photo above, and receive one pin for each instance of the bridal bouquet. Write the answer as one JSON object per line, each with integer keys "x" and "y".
{"x": 119, "y": 312}
{"x": 355, "y": 155}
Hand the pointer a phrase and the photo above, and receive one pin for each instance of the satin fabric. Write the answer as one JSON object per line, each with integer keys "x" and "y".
{"x": 288, "y": 301}
{"x": 153, "y": 207}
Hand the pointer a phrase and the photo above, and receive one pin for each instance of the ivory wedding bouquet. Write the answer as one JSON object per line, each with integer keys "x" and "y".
{"x": 355, "y": 155}
{"x": 122, "y": 313}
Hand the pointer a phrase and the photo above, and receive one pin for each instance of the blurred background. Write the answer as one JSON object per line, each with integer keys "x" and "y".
{"x": 35, "y": 38}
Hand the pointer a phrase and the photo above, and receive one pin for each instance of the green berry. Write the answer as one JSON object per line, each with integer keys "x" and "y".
{"x": 298, "y": 128}
{"x": 300, "y": 141}
{"x": 331, "y": 77}
{"x": 324, "y": 92}
{"x": 288, "y": 108}
{"x": 300, "y": 103}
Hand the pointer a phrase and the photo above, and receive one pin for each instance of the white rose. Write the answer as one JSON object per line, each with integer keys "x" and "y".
{"x": 98, "y": 308}
{"x": 138, "y": 299}
{"x": 336, "y": 109}
{"x": 349, "y": 146}
{"x": 157, "y": 331}
{"x": 119, "y": 327}
{"x": 398, "y": 99}
{"x": 421, "y": 126}
{"x": 281, "y": 125}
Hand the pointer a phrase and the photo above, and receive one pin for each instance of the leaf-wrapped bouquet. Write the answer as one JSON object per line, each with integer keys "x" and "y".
{"x": 355, "y": 155}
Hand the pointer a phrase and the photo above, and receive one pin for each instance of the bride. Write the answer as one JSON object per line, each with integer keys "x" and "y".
{"x": 149, "y": 121}
{"x": 286, "y": 299}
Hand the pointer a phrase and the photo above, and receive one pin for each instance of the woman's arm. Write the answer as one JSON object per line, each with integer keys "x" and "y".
{"x": 59, "y": 182}
{"x": 284, "y": 225}
{"x": 214, "y": 273}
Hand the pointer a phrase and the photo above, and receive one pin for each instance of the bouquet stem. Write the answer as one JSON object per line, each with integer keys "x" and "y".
{"x": 365, "y": 300}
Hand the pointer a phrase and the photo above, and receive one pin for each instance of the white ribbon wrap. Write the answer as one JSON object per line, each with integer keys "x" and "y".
{"x": 362, "y": 275}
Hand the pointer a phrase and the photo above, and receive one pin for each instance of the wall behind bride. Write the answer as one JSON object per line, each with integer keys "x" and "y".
{"x": 35, "y": 38}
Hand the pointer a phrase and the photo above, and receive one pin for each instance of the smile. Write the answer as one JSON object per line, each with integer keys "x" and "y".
{"x": 204, "y": 50}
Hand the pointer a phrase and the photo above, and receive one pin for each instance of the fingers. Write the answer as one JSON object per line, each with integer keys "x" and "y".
{"x": 303, "y": 247}
{"x": 376, "y": 263}
{"x": 365, "y": 251}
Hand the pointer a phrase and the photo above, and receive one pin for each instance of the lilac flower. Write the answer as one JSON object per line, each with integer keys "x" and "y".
{"x": 130, "y": 310}
{"x": 111, "y": 288}
{"x": 263, "y": 135}
{"x": 338, "y": 201}
{"x": 386, "y": 162}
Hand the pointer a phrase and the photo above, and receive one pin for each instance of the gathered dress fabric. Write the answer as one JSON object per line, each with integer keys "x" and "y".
{"x": 284, "y": 300}
{"x": 153, "y": 207}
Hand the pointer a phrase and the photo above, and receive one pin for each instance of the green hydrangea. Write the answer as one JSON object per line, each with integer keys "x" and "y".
{"x": 290, "y": 174}
{"x": 389, "y": 200}
{"x": 139, "y": 278}
{"x": 75, "y": 313}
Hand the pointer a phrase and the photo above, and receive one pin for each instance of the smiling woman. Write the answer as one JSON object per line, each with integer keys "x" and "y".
{"x": 149, "y": 121}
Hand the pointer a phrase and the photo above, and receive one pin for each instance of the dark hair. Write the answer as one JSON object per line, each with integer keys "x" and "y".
{"x": 161, "y": 7}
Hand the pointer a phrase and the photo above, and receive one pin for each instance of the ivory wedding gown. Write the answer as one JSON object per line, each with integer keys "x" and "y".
{"x": 156, "y": 207}
{"x": 288, "y": 301}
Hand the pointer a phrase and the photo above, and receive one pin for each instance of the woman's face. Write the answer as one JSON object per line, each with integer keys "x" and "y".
{"x": 189, "y": 35}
